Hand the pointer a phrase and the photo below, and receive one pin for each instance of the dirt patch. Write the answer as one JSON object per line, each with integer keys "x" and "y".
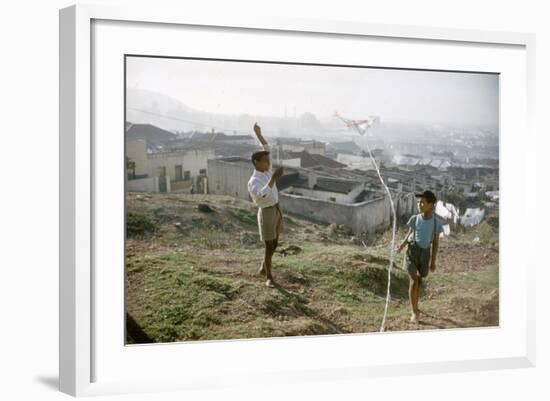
{"x": 465, "y": 257}
{"x": 484, "y": 310}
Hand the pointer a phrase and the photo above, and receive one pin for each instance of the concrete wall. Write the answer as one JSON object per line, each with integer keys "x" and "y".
{"x": 149, "y": 184}
{"x": 137, "y": 151}
{"x": 354, "y": 193}
{"x": 358, "y": 162}
{"x": 290, "y": 162}
{"x": 322, "y": 195}
{"x": 326, "y": 195}
{"x": 371, "y": 215}
{"x": 340, "y": 197}
{"x": 405, "y": 204}
{"x": 316, "y": 209}
{"x": 192, "y": 160}
{"x": 361, "y": 217}
{"x": 229, "y": 178}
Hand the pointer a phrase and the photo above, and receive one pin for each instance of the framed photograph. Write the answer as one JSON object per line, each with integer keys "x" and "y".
{"x": 285, "y": 199}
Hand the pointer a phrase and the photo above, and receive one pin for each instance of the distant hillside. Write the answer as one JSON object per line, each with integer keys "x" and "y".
{"x": 147, "y": 107}
{"x": 141, "y": 98}
{"x": 153, "y": 106}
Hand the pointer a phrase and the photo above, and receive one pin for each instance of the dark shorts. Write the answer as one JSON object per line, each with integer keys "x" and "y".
{"x": 417, "y": 259}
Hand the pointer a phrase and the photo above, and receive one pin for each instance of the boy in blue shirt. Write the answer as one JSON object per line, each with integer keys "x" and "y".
{"x": 422, "y": 249}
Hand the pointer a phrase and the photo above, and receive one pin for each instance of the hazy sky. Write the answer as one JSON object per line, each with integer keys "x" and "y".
{"x": 270, "y": 89}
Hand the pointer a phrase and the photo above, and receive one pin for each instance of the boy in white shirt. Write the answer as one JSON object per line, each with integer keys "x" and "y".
{"x": 263, "y": 190}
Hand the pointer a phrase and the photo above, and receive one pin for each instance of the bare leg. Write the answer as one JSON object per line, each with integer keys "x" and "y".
{"x": 418, "y": 294}
{"x": 269, "y": 249}
{"x": 261, "y": 271}
{"x": 413, "y": 296}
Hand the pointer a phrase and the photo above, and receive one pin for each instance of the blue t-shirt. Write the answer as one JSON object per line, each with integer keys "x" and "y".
{"x": 424, "y": 229}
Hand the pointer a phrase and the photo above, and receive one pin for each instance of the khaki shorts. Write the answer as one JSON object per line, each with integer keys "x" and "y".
{"x": 270, "y": 222}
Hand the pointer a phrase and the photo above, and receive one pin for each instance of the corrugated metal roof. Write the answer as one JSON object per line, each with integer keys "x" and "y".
{"x": 309, "y": 160}
{"x": 149, "y": 132}
{"x": 335, "y": 185}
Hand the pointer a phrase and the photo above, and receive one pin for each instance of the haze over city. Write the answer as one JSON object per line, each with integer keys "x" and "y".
{"x": 287, "y": 91}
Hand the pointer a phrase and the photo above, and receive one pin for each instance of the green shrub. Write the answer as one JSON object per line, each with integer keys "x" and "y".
{"x": 243, "y": 215}
{"x": 139, "y": 225}
{"x": 487, "y": 233}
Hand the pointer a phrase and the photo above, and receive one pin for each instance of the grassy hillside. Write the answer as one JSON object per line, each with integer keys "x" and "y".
{"x": 191, "y": 275}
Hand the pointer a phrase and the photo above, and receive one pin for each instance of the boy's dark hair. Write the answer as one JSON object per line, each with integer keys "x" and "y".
{"x": 258, "y": 155}
{"x": 428, "y": 195}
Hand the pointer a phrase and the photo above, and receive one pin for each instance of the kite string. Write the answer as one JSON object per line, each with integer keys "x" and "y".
{"x": 392, "y": 244}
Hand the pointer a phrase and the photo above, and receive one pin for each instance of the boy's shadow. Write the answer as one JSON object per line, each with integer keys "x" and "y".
{"x": 309, "y": 312}
{"x": 134, "y": 333}
{"x": 439, "y": 326}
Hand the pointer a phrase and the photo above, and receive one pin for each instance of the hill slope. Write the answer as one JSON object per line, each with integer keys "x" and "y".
{"x": 191, "y": 275}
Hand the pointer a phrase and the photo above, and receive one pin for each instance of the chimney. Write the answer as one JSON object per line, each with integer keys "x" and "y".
{"x": 311, "y": 179}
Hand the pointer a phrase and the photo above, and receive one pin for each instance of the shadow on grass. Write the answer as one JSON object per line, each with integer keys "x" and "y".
{"x": 443, "y": 319}
{"x": 299, "y": 302}
{"x": 375, "y": 280}
{"x": 134, "y": 333}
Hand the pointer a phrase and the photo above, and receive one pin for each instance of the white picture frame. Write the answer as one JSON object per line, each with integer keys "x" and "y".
{"x": 84, "y": 325}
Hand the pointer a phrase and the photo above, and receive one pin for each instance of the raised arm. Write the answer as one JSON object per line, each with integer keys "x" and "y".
{"x": 258, "y": 132}
{"x": 265, "y": 145}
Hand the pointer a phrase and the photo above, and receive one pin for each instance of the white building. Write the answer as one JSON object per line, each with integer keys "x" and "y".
{"x": 178, "y": 165}
{"x": 354, "y": 161}
{"x": 311, "y": 146}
